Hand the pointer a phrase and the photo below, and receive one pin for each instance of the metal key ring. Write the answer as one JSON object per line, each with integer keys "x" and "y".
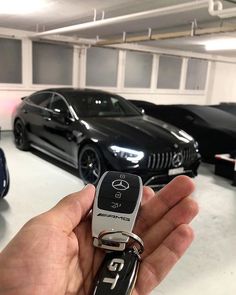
{"x": 133, "y": 236}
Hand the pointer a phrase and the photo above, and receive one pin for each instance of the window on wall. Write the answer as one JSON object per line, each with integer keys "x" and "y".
{"x": 102, "y": 66}
{"x": 10, "y": 61}
{"x": 52, "y": 64}
{"x": 169, "y": 72}
{"x": 138, "y": 69}
{"x": 196, "y": 74}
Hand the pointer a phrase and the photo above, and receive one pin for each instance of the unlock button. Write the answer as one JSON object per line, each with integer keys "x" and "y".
{"x": 118, "y": 195}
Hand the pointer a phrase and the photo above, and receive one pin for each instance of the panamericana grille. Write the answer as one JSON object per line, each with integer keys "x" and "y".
{"x": 164, "y": 160}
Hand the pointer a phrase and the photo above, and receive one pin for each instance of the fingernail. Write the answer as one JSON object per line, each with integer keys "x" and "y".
{"x": 85, "y": 186}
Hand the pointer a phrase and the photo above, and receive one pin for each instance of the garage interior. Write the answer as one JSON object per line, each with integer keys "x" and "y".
{"x": 155, "y": 51}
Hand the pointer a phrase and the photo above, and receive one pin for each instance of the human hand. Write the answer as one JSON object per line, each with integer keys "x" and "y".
{"x": 53, "y": 253}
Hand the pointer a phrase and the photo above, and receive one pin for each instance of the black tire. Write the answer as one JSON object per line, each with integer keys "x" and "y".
{"x": 91, "y": 164}
{"x": 20, "y": 135}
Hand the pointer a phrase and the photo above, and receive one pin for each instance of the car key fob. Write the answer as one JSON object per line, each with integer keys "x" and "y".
{"x": 117, "y": 274}
{"x": 116, "y": 204}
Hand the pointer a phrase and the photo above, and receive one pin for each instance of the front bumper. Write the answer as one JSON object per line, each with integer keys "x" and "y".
{"x": 155, "y": 169}
{"x": 158, "y": 179}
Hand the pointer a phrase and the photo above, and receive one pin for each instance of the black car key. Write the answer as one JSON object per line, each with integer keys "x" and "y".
{"x": 116, "y": 204}
{"x": 117, "y": 274}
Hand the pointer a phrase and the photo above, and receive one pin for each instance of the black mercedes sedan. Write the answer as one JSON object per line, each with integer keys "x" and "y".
{"x": 214, "y": 129}
{"x": 94, "y": 131}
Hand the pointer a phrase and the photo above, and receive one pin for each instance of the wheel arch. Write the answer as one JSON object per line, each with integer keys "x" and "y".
{"x": 18, "y": 118}
{"x": 26, "y": 144}
{"x": 86, "y": 142}
{"x": 24, "y": 121}
{"x": 102, "y": 160}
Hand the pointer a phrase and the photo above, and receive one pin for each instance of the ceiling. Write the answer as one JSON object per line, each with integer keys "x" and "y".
{"x": 60, "y": 13}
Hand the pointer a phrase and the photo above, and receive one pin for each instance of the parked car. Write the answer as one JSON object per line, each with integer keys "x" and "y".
{"x": 229, "y": 107}
{"x": 94, "y": 130}
{"x": 214, "y": 129}
{"x": 145, "y": 107}
{"x": 4, "y": 175}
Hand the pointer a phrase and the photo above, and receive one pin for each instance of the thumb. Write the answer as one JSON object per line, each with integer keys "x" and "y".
{"x": 68, "y": 213}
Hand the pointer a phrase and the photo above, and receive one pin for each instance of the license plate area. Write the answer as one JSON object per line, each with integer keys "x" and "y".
{"x": 176, "y": 171}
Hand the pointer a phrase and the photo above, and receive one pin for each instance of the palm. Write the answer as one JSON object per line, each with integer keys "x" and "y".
{"x": 88, "y": 258}
{"x": 163, "y": 229}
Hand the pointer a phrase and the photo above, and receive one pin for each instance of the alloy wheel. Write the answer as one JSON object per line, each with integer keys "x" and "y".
{"x": 89, "y": 165}
{"x": 19, "y": 134}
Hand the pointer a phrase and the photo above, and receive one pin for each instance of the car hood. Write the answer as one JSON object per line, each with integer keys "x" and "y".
{"x": 142, "y": 131}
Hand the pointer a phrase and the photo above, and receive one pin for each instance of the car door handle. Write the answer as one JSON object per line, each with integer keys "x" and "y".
{"x": 24, "y": 111}
{"x": 47, "y": 118}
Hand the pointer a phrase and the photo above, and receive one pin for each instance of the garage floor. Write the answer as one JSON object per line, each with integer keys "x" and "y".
{"x": 209, "y": 267}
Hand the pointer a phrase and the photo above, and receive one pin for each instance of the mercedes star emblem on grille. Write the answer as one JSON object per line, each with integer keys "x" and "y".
{"x": 177, "y": 159}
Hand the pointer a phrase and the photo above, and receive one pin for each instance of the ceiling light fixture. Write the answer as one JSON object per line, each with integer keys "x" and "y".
{"x": 22, "y": 7}
{"x": 221, "y": 44}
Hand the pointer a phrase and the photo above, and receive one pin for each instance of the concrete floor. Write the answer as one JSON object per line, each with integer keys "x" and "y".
{"x": 209, "y": 266}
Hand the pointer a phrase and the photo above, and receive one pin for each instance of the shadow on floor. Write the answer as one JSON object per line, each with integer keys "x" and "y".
{"x": 4, "y": 206}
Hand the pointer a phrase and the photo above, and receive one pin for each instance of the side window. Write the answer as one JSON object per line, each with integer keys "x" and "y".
{"x": 41, "y": 99}
{"x": 58, "y": 105}
{"x": 117, "y": 106}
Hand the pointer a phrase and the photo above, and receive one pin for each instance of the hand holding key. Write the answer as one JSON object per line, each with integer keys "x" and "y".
{"x": 54, "y": 253}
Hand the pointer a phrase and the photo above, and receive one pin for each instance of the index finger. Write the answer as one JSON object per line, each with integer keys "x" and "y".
{"x": 154, "y": 209}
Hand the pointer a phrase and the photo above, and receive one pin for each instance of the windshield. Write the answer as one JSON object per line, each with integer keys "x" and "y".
{"x": 101, "y": 105}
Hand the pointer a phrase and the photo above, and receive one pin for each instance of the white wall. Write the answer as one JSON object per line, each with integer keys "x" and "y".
{"x": 9, "y": 99}
{"x": 222, "y": 85}
{"x": 167, "y": 98}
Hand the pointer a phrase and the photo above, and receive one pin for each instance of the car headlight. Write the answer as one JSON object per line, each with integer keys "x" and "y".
{"x": 133, "y": 156}
{"x": 196, "y": 145}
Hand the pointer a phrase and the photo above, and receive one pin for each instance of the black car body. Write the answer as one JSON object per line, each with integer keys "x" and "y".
{"x": 214, "y": 129}
{"x": 4, "y": 175}
{"x": 95, "y": 131}
{"x": 229, "y": 107}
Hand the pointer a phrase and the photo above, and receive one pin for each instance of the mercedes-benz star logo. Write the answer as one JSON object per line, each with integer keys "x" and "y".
{"x": 177, "y": 159}
{"x": 120, "y": 184}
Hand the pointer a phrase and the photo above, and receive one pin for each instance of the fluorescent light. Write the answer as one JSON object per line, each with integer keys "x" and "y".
{"x": 22, "y": 6}
{"x": 220, "y": 44}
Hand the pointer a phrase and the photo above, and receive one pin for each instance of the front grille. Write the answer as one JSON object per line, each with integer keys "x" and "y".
{"x": 164, "y": 160}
